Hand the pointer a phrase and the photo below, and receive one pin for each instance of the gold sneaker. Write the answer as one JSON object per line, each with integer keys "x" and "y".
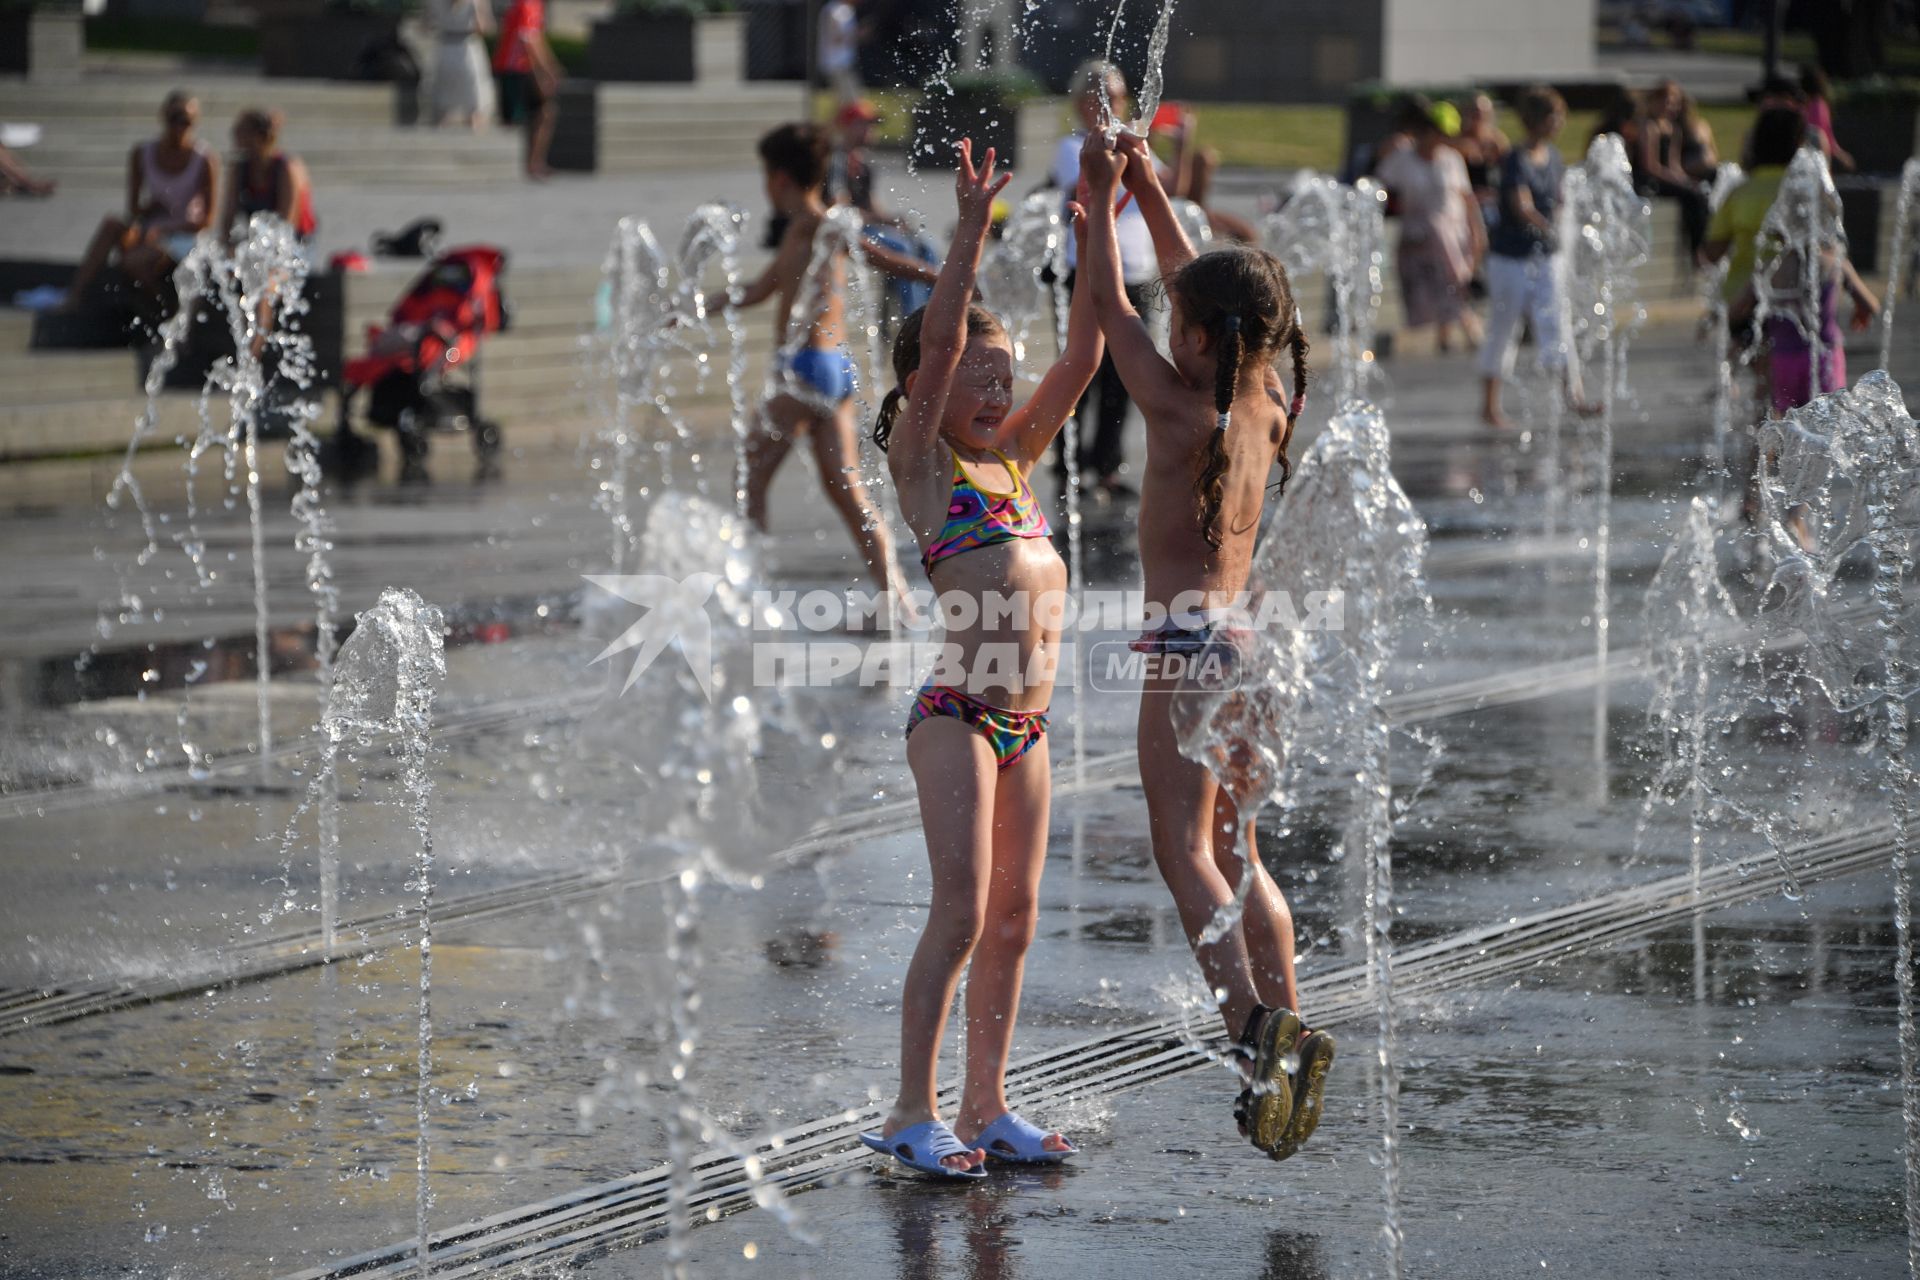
{"x": 1312, "y": 1056}
{"x": 1265, "y": 1106}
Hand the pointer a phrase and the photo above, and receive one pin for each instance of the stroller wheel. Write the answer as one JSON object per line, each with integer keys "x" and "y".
{"x": 349, "y": 456}
{"x": 413, "y": 450}
{"x": 486, "y": 449}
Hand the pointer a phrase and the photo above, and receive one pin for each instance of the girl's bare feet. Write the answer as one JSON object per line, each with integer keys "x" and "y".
{"x": 972, "y": 1121}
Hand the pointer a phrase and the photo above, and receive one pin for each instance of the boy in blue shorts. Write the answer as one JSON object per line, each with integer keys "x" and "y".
{"x": 814, "y": 385}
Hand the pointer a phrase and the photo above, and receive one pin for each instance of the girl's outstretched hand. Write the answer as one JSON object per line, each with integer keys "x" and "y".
{"x": 974, "y": 189}
{"x": 1101, "y": 166}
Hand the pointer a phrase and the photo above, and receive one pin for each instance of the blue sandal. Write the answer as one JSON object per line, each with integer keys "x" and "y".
{"x": 1016, "y": 1140}
{"x": 922, "y": 1147}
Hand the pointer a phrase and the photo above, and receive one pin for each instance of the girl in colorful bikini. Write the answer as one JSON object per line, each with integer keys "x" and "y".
{"x": 961, "y": 456}
{"x": 1218, "y": 420}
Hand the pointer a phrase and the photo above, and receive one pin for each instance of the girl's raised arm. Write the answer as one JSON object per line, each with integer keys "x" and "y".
{"x": 1152, "y": 382}
{"x": 1142, "y": 178}
{"x": 1032, "y": 427}
{"x": 943, "y": 330}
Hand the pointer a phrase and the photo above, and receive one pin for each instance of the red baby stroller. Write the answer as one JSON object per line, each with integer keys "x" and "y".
{"x": 421, "y": 371}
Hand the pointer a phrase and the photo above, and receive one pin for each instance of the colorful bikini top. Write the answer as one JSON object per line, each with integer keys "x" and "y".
{"x": 978, "y": 517}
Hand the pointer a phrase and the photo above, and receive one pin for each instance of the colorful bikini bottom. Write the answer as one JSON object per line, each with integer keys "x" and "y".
{"x": 1010, "y": 733}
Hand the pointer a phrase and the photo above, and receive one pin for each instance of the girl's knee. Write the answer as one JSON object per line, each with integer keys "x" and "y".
{"x": 1014, "y": 920}
{"x": 955, "y": 931}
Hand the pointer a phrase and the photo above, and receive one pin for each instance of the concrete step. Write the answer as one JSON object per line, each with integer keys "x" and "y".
{"x": 136, "y": 98}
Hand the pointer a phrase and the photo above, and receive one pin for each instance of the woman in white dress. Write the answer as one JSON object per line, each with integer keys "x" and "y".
{"x": 462, "y": 82}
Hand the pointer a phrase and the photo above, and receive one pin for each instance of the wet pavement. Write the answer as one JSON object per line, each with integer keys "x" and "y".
{"x": 1609, "y": 1112}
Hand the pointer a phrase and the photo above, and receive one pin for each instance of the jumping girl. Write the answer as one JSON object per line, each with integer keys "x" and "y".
{"x": 961, "y": 456}
{"x": 1218, "y": 420}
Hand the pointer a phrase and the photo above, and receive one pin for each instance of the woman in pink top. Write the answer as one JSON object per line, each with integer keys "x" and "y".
{"x": 1819, "y": 113}
{"x": 170, "y": 185}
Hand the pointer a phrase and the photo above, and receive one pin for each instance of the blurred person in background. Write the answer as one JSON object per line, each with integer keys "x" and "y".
{"x": 1659, "y": 167}
{"x": 1189, "y": 174}
{"x": 1521, "y": 247}
{"x": 462, "y": 89}
{"x": 1818, "y": 109}
{"x": 17, "y": 180}
{"x": 838, "y": 55}
{"x": 1482, "y": 147}
{"x": 171, "y": 182}
{"x": 266, "y": 179}
{"x": 528, "y": 76}
{"x": 1442, "y": 231}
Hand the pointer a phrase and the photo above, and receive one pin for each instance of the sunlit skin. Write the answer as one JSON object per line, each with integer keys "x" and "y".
{"x": 1193, "y": 824}
{"x": 986, "y": 828}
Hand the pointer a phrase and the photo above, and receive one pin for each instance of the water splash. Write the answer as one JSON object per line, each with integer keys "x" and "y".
{"x": 1327, "y": 226}
{"x": 384, "y": 684}
{"x": 1837, "y": 493}
{"x": 1153, "y": 83}
{"x": 1309, "y": 699}
{"x": 1872, "y": 451}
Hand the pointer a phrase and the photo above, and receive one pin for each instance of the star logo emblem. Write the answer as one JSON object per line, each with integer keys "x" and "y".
{"x": 676, "y": 609}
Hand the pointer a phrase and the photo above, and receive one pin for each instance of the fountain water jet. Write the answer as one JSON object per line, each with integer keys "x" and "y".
{"x": 1795, "y": 253}
{"x": 1340, "y": 231}
{"x": 384, "y": 684}
{"x": 1686, "y": 603}
{"x": 1898, "y": 267}
{"x": 1842, "y": 487}
{"x": 1606, "y": 236}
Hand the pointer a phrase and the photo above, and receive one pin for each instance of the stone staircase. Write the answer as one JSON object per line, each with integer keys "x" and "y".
{"x": 652, "y": 128}
{"x": 346, "y": 135}
{"x": 344, "y": 131}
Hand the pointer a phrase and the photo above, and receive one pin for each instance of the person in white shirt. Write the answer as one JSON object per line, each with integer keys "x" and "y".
{"x": 839, "y": 52}
{"x": 1099, "y": 94}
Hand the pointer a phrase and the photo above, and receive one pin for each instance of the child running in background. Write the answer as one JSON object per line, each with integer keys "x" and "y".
{"x": 962, "y": 456}
{"x": 816, "y": 382}
{"x": 1218, "y": 420}
{"x": 1521, "y": 276}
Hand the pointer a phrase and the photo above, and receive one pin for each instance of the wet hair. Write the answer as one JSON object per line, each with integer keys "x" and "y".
{"x": 798, "y": 150}
{"x": 1241, "y": 299}
{"x": 1777, "y": 135}
{"x": 1814, "y": 82}
{"x": 260, "y": 123}
{"x": 981, "y": 323}
{"x": 1537, "y": 104}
